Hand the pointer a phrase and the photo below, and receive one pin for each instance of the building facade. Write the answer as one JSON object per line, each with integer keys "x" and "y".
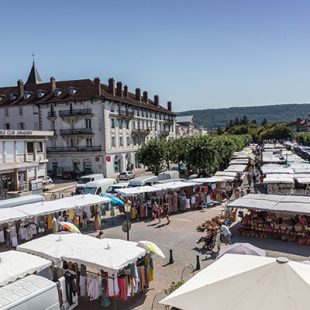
{"x": 23, "y": 161}
{"x": 97, "y": 127}
{"x": 186, "y": 127}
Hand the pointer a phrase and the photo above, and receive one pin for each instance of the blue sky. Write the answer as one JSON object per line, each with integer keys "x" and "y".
{"x": 198, "y": 54}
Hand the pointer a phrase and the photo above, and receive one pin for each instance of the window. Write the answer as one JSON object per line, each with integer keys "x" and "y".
{"x": 21, "y": 126}
{"x": 128, "y": 141}
{"x": 20, "y": 109}
{"x": 30, "y": 148}
{"x": 36, "y": 125}
{"x": 53, "y": 125}
{"x": 121, "y": 142}
{"x": 112, "y": 123}
{"x": 120, "y": 123}
{"x": 113, "y": 142}
{"x": 127, "y": 124}
{"x": 39, "y": 147}
{"x": 88, "y": 123}
{"x": 112, "y": 107}
{"x": 6, "y": 111}
{"x": 89, "y": 142}
{"x": 7, "y": 126}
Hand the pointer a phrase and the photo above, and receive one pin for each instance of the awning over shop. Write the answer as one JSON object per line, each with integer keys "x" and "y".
{"x": 16, "y": 265}
{"x": 274, "y": 203}
{"x": 13, "y": 166}
{"x": 107, "y": 254}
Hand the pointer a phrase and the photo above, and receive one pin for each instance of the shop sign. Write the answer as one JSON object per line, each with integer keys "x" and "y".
{"x": 16, "y": 132}
{"x": 108, "y": 158}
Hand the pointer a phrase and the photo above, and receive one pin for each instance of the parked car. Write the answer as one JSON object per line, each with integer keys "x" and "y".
{"x": 68, "y": 175}
{"x": 126, "y": 175}
{"x": 83, "y": 180}
{"x": 112, "y": 188}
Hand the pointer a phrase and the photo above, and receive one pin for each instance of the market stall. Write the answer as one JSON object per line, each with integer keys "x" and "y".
{"x": 280, "y": 184}
{"x": 120, "y": 268}
{"x": 16, "y": 265}
{"x": 23, "y": 222}
{"x": 275, "y": 216}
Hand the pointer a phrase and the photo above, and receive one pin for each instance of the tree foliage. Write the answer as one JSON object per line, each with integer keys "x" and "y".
{"x": 302, "y": 138}
{"x": 202, "y": 153}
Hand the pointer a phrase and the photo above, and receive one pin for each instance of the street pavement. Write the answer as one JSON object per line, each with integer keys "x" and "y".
{"x": 180, "y": 236}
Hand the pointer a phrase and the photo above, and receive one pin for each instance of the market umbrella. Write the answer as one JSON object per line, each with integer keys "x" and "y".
{"x": 241, "y": 248}
{"x": 70, "y": 227}
{"x": 115, "y": 201}
{"x": 151, "y": 247}
{"x": 242, "y": 282}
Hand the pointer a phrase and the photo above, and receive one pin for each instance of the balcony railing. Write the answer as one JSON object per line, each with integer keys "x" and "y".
{"x": 140, "y": 132}
{"x": 127, "y": 115}
{"x": 75, "y": 112}
{"x": 164, "y": 133}
{"x": 71, "y": 132}
{"x": 51, "y": 114}
{"x": 74, "y": 149}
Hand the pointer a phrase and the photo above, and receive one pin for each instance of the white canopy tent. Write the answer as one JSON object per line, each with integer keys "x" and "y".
{"x": 214, "y": 179}
{"x": 132, "y": 191}
{"x": 242, "y": 282}
{"x": 239, "y": 161}
{"x": 279, "y": 178}
{"x": 16, "y": 265}
{"x": 48, "y": 207}
{"x": 277, "y": 170}
{"x": 106, "y": 254}
{"x": 236, "y": 168}
{"x": 274, "y": 203}
{"x": 227, "y": 173}
{"x": 173, "y": 185}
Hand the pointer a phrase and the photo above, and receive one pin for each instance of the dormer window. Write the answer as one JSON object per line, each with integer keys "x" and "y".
{"x": 72, "y": 90}
{"x": 57, "y": 92}
{"x": 27, "y": 94}
{"x": 13, "y": 97}
{"x": 40, "y": 93}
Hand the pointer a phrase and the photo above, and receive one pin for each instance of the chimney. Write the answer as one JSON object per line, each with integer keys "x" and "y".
{"x": 20, "y": 85}
{"x": 53, "y": 84}
{"x": 169, "y": 106}
{"x": 119, "y": 89}
{"x": 126, "y": 91}
{"x": 97, "y": 86}
{"x": 145, "y": 97}
{"x": 156, "y": 100}
{"x": 112, "y": 86}
{"x": 138, "y": 94}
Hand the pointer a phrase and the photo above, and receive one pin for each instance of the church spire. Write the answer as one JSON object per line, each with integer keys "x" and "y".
{"x": 34, "y": 76}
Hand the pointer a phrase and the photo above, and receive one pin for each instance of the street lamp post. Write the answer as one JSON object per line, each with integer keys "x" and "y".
{"x": 127, "y": 210}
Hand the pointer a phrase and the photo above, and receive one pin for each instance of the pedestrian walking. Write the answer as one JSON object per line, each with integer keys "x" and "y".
{"x": 167, "y": 212}
{"x": 217, "y": 243}
{"x": 226, "y": 234}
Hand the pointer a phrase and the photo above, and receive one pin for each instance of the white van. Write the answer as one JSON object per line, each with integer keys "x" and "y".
{"x": 30, "y": 293}
{"x": 142, "y": 181}
{"x": 169, "y": 174}
{"x": 112, "y": 188}
{"x": 85, "y": 179}
{"x": 98, "y": 187}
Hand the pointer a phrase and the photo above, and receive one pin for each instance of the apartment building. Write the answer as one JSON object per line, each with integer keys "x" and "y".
{"x": 97, "y": 127}
{"x": 23, "y": 161}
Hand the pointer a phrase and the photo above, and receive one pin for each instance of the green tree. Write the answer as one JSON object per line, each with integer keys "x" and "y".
{"x": 264, "y": 122}
{"x": 153, "y": 155}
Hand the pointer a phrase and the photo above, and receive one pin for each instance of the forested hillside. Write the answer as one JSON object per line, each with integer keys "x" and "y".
{"x": 212, "y": 118}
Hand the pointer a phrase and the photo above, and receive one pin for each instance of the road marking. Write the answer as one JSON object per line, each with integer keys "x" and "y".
{"x": 183, "y": 220}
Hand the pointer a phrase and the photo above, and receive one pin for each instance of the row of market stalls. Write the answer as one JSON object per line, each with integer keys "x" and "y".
{"x": 86, "y": 268}
{"x": 21, "y": 223}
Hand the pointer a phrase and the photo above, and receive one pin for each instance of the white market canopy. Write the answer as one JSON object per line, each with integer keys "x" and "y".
{"x": 242, "y": 282}
{"x": 269, "y": 158}
{"x": 277, "y": 170}
{"x": 236, "y": 168}
{"x": 173, "y": 185}
{"x": 214, "y": 179}
{"x": 131, "y": 191}
{"x": 274, "y": 203}
{"x": 48, "y": 207}
{"x": 227, "y": 173}
{"x": 279, "y": 178}
{"x": 109, "y": 255}
{"x": 16, "y": 265}
{"x": 240, "y": 161}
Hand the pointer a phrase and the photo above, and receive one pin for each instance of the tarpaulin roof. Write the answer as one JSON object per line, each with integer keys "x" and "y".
{"x": 274, "y": 203}
{"x": 173, "y": 185}
{"x": 105, "y": 254}
{"x": 15, "y": 265}
{"x": 131, "y": 191}
{"x": 279, "y": 178}
{"x": 236, "y": 168}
